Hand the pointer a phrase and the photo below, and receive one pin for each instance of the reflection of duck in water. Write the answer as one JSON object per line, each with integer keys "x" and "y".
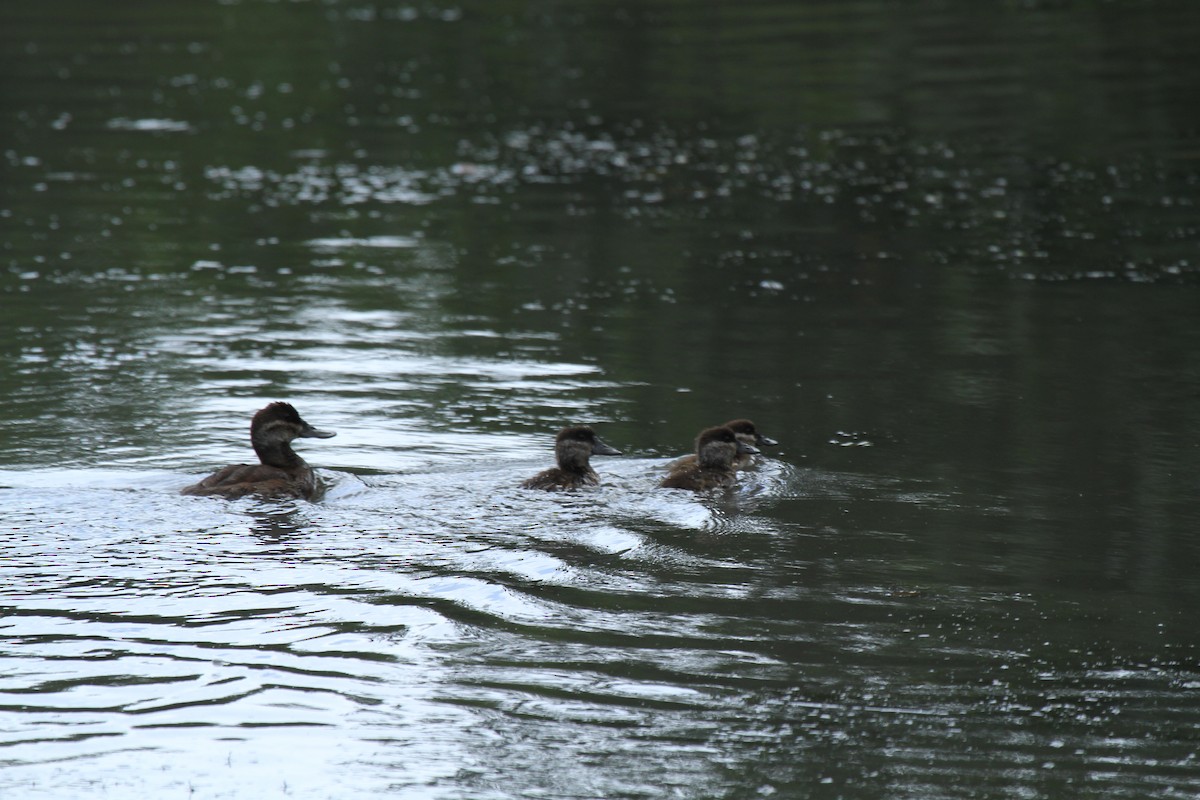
{"x": 717, "y": 449}
{"x": 745, "y": 431}
{"x": 282, "y": 473}
{"x": 573, "y": 448}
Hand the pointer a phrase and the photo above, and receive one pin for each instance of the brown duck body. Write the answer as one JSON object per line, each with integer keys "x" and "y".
{"x": 281, "y": 473}
{"x": 239, "y": 480}
{"x": 713, "y": 464}
{"x": 573, "y": 449}
{"x": 745, "y": 431}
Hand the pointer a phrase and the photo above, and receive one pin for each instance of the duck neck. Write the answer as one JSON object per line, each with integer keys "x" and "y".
{"x": 573, "y": 458}
{"x": 276, "y": 453}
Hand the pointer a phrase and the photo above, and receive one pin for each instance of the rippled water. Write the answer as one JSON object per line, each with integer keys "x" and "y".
{"x": 945, "y": 253}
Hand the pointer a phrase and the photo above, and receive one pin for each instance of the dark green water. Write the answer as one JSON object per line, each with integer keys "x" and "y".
{"x": 947, "y": 253}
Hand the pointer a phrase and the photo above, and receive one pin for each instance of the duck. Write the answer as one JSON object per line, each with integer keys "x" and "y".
{"x": 281, "y": 473}
{"x": 573, "y": 448}
{"x": 745, "y": 431}
{"x": 717, "y": 449}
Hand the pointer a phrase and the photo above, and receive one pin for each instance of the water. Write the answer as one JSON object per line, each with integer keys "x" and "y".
{"x": 945, "y": 253}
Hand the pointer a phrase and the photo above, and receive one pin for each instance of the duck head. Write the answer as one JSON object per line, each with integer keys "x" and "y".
{"x": 745, "y": 430}
{"x": 718, "y": 447}
{"x": 575, "y": 445}
{"x": 274, "y": 427}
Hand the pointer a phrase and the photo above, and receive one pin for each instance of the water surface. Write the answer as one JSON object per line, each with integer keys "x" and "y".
{"x": 945, "y": 253}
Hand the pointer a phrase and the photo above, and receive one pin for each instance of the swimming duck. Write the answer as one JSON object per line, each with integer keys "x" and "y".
{"x": 281, "y": 472}
{"x": 745, "y": 431}
{"x": 573, "y": 447}
{"x": 716, "y": 451}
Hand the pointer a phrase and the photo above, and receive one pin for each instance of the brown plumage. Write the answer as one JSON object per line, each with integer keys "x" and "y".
{"x": 716, "y": 450}
{"x": 573, "y": 449}
{"x": 745, "y": 431}
{"x": 280, "y": 473}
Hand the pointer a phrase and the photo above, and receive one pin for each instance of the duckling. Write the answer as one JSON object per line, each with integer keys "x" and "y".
{"x": 281, "y": 472}
{"x": 573, "y": 447}
{"x": 745, "y": 431}
{"x": 716, "y": 450}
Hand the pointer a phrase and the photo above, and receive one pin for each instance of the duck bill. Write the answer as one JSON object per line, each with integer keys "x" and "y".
{"x": 601, "y": 449}
{"x": 747, "y": 449}
{"x": 310, "y": 432}
{"x": 765, "y": 440}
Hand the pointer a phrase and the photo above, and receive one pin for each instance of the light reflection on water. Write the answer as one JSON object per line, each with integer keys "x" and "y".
{"x": 242, "y": 614}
